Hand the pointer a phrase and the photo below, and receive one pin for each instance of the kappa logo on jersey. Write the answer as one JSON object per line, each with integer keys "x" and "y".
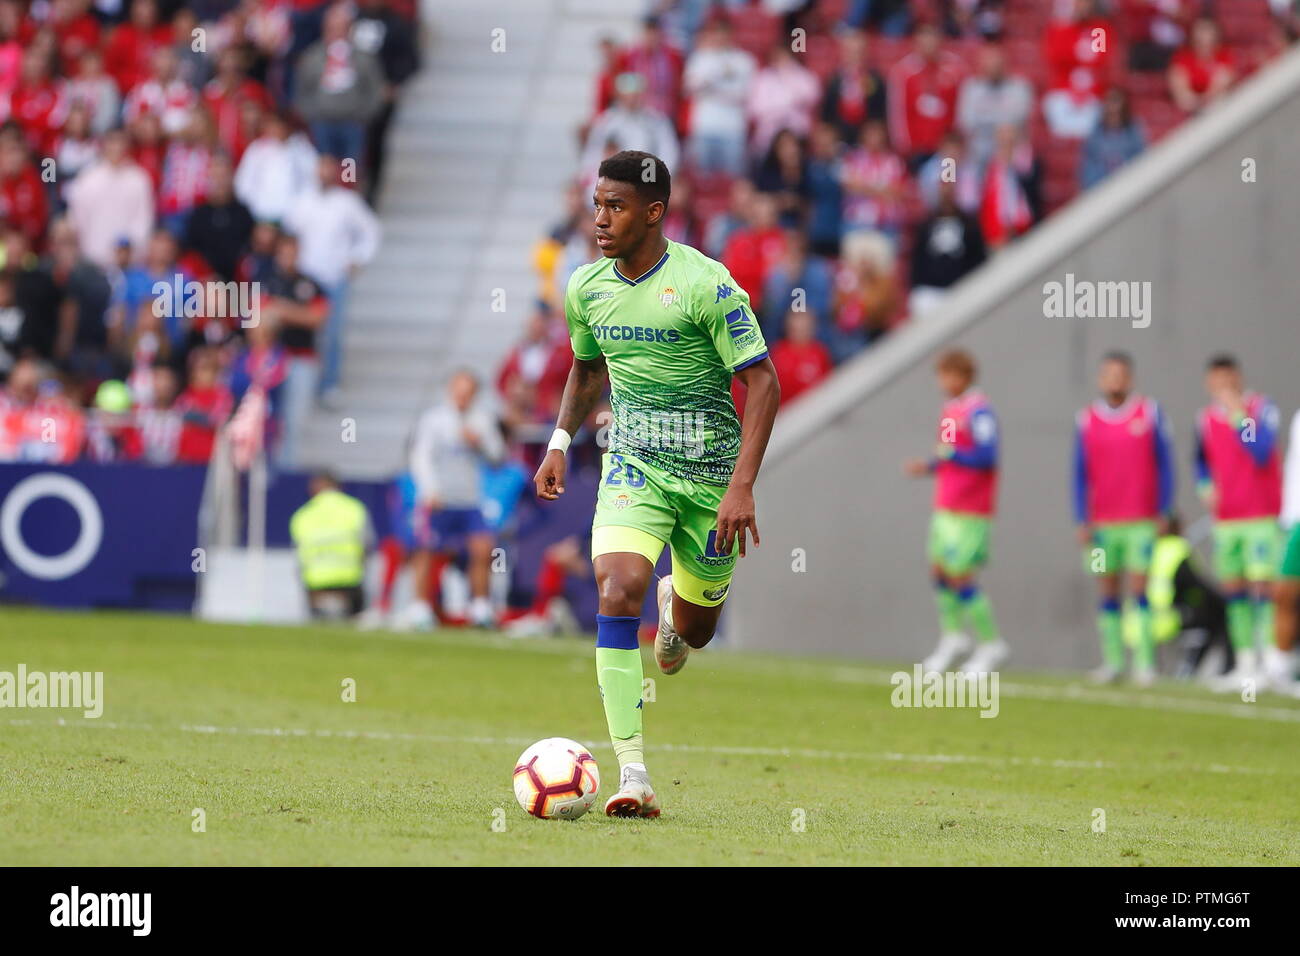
{"x": 739, "y": 323}
{"x": 597, "y": 294}
{"x": 724, "y": 292}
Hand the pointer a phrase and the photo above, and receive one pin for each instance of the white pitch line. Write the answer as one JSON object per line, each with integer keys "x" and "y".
{"x": 787, "y": 752}
{"x": 1090, "y": 695}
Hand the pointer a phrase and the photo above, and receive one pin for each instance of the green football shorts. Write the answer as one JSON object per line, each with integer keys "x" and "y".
{"x": 1121, "y": 546}
{"x": 640, "y": 509}
{"x": 1291, "y": 559}
{"x": 1247, "y": 548}
{"x": 959, "y": 543}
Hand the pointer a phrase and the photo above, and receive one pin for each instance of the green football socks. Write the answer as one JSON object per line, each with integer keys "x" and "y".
{"x": 619, "y": 674}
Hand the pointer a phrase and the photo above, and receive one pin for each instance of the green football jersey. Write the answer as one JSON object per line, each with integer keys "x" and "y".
{"x": 672, "y": 340}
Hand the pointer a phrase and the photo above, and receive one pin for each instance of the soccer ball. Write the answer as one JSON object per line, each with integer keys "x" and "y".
{"x": 556, "y": 779}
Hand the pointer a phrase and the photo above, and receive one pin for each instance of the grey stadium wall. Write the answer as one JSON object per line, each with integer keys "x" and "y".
{"x": 1223, "y": 261}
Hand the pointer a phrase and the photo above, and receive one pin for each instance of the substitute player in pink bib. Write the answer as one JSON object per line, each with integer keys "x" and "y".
{"x": 1239, "y": 477}
{"x": 965, "y": 469}
{"x": 1123, "y": 491}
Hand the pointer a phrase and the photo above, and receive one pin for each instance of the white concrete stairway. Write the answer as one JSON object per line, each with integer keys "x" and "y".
{"x": 479, "y": 152}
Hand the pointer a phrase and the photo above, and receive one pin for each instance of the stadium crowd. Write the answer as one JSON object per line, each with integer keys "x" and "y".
{"x": 148, "y": 146}
{"x": 850, "y": 160}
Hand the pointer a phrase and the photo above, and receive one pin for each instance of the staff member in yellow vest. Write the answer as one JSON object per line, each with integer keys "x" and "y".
{"x": 1182, "y": 601}
{"x": 332, "y": 533}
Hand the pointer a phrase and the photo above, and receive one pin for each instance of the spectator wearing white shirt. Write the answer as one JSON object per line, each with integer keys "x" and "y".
{"x": 990, "y": 99}
{"x": 629, "y": 124}
{"x": 451, "y": 443}
{"x": 337, "y": 234}
{"x": 275, "y": 170}
{"x": 718, "y": 77}
{"x": 784, "y": 95}
{"x": 110, "y": 200}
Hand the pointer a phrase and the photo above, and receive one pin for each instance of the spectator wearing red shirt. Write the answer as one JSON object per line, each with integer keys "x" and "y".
{"x": 1203, "y": 70}
{"x": 922, "y": 95}
{"x": 11, "y": 46}
{"x": 801, "y": 361}
{"x": 226, "y": 96}
{"x": 23, "y": 201}
{"x": 660, "y": 65}
{"x": 1006, "y": 210}
{"x": 76, "y": 31}
{"x": 1078, "y": 50}
{"x": 185, "y": 172}
{"x": 534, "y": 374}
{"x": 610, "y": 55}
{"x": 149, "y": 148}
{"x": 875, "y": 184}
{"x": 129, "y": 51}
{"x": 753, "y": 250}
{"x": 38, "y": 423}
{"x": 164, "y": 94}
{"x": 37, "y": 103}
{"x": 203, "y": 407}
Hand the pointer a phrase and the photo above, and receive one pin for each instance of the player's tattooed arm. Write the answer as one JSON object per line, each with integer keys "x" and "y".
{"x": 581, "y": 392}
{"x": 736, "y": 513}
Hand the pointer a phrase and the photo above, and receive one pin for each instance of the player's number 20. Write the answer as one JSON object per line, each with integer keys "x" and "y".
{"x": 621, "y": 473}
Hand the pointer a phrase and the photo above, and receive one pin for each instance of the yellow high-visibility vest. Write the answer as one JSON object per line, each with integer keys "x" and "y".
{"x": 1170, "y": 552}
{"x": 329, "y": 533}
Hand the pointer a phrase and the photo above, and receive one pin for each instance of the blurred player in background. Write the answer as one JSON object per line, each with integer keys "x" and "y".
{"x": 965, "y": 469}
{"x": 398, "y": 549}
{"x": 1279, "y": 660}
{"x": 1239, "y": 477}
{"x": 1123, "y": 492}
{"x": 452, "y": 440}
{"x": 671, "y": 327}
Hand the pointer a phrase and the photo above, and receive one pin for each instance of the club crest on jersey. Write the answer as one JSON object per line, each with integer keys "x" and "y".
{"x": 668, "y": 297}
{"x": 622, "y": 501}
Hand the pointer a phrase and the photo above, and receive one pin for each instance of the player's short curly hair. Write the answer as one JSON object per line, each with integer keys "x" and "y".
{"x": 644, "y": 171}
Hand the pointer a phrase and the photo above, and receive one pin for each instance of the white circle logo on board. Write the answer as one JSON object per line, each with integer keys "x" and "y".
{"x": 52, "y": 567}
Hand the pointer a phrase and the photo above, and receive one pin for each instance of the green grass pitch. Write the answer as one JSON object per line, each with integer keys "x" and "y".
{"x": 757, "y": 759}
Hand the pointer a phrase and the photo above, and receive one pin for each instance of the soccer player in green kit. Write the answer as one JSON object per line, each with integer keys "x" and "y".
{"x": 671, "y": 328}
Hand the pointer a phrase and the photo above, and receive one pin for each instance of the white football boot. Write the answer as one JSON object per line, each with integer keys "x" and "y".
{"x": 952, "y": 647}
{"x": 988, "y": 656}
{"x": 1144, "y": 677}
{"x": 1105, "y": 674}
{"x": 1279, "y": 672}
{"x": 670, "y": 650}
{"x": 416, "y": 616}
{"x": 635, "y": 796}
{"x": 1244, "y": 669}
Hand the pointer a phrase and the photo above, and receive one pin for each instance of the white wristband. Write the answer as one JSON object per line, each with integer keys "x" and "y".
{"x": 559, "y": 441}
